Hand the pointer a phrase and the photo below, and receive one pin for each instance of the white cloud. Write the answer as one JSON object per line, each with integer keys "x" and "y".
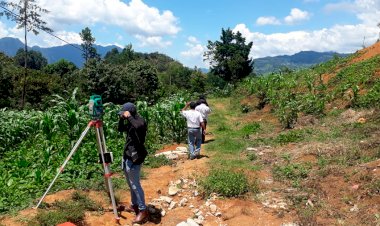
{"x": 367, "y": 11}
{"x": 152, "y": 41}
{"x": 271, "y": 20}
{"x": 296, "y": 15}
{"x": 3, "y": 30}
{"x": 344, "y": 39}
{"x": 135, "y": 17}
{"x": 195, "y": 49}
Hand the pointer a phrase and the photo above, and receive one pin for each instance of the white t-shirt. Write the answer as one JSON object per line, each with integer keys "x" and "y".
{"x": 204, "y": 110}
{"x": 193, "y": 117}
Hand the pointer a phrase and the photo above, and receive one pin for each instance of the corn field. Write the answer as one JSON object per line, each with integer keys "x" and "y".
{"x": 34, "y": 144}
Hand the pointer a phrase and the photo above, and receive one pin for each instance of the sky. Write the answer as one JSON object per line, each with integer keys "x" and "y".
{"x": 181, "y": 29}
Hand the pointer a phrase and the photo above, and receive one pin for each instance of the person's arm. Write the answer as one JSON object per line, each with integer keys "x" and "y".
{"x": 121, "y": 127}
{"x": 203, "y": 127}
{"x": 186, "y": 106}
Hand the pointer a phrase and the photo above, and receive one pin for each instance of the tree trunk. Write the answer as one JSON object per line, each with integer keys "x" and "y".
{"x": 25, "y": 57}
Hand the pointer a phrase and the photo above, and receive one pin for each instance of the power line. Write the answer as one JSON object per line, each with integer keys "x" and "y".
{"x": 50, "y": 33}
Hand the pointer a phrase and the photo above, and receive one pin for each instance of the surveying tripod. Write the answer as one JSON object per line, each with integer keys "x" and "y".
{"x": 105, "y": 157}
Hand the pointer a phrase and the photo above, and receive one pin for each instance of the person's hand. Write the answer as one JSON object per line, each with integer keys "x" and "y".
{"x": 126, "y": 114}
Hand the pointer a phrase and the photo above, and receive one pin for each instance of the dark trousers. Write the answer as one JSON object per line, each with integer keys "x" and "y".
{"x": 203, "y": 132}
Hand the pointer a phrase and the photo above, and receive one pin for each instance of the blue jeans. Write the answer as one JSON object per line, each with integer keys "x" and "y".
{"x": 195, "y": 141}
{"x": 132, "y": 174}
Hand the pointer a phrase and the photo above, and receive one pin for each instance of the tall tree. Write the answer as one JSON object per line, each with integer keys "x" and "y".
{"x": 26, "y": 13}
{"x": 229, "y": 57}
{"x": 35, "y": 60}
{"x": 89, "y": 51}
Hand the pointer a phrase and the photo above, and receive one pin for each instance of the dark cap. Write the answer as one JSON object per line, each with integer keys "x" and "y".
{"x": 128, "y": 107}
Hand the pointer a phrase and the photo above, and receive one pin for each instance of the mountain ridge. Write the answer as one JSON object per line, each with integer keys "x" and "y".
{"x": 263, "y": 65}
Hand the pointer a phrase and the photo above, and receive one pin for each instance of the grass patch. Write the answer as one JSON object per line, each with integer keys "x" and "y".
{"x": 292, "y": 136}
{"x": 226, "y": 183}
{"x": 250, "y": 128}
{"x": 66, "y": 211}
{"x": 157, "y": 161}
{"x": 294, "y": 172}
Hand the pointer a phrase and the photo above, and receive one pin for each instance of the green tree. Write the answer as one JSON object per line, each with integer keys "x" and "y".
{"x": 89, "y": 51}
{"x": 35, "y": 60}
{"x": 229, "y": 57}
{"x": 61, "y": 68}
{"x": 123, "y": 57}
{"x": 26, "y": 13}
{"x": 6, "y": 80}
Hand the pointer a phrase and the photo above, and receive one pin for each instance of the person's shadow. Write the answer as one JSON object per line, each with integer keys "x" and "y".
{"x": 154, "y": 214}
{"x": 208, "y": 141}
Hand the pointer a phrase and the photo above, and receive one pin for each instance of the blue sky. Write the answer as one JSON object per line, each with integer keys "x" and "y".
{"x": 182, "y": 28}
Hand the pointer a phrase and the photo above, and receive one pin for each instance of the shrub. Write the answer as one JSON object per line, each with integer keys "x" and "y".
{"x": 157, "y": 161}
{"x": 294, "y": 172}
{"x": 225, "y": 183}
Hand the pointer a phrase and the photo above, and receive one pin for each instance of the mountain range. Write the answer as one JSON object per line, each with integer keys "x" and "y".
{"x": 302, "y": 59}
{"x": 68, "y": 52}
{"x": 263, "y": 65}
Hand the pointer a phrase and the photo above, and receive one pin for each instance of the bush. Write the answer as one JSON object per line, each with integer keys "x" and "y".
{"x": 157, "y": 161}
{"x": 294, "y": 172}
{"x": 225, "y": 183}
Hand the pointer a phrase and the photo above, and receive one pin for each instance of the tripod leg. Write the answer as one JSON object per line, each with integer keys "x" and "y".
{"x": 65, "y": 162}
{"x": 107, "y": 173}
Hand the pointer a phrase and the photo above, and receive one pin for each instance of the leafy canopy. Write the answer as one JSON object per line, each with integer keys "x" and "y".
{"x": 229, "y": 57}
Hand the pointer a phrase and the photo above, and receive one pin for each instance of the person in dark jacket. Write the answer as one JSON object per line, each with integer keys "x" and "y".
{"x": 134, "y": 154}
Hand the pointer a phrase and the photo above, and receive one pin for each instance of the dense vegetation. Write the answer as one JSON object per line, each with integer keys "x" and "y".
{"x": 35, "y": 143}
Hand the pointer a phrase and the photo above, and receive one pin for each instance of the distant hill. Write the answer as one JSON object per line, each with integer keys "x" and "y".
{"x": 10, "y": 46}
{"x": 261, "y": 65}
{"x": 302, "y": 59}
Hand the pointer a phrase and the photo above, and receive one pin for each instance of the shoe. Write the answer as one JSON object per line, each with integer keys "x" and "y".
{"x": 192, "y": 157}
{"x": 129, "y": 209}
{"x": 141, "y": 217}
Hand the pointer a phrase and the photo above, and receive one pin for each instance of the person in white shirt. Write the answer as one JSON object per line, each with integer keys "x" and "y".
{"x": 194, "y": 124}
{"x": 204, "y": 109}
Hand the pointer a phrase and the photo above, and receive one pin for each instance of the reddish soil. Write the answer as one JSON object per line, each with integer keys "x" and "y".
{"x": 368, "y": 52}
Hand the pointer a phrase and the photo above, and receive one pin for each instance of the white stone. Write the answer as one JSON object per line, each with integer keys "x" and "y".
{"x": 181, "y": 149}
{"x": 191, "y": 222}
{"x": 166, "y": 199}
{"x": 173, "y": 190}
{"x": 182, "y": 224}
{"x": 213, "y": 208}
{"x": 199, "y": 213}
{"x": 196, "y": 193}
{"x": 251, "y": 149}
{"x": 191, "y": 206}
{"x": 179, "y": 181}
{"x": 354, "y": 209}
{"x": 218, "y": 214}
{"x": 183, "y": 202}
{"x": 163, "y": 213}
{"x": 172, "y": 205}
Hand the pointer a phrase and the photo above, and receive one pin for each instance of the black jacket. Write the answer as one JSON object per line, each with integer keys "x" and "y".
{"x": 136, "y": 129}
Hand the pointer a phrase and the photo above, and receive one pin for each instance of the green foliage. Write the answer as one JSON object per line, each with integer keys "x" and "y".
{"x": 225, "y": 183}
{"x": 230, "y": 56}
{"x": 35, "y": 144}
{"x": 89, "y": 51}
{"x": 292, "y": 171}
{"x": 291, "y": 136}
{"x": 66, "y": 211}
{"x": 35, "y": 60}
{"x": 250, "y": 128}
{"x": 157, "y": 161}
